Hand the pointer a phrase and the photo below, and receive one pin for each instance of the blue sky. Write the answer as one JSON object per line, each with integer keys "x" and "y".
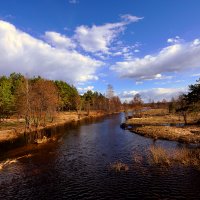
{"x": 151, "y": 47}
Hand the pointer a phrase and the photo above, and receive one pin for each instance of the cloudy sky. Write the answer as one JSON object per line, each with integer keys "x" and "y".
{"x": 151, "y": 47}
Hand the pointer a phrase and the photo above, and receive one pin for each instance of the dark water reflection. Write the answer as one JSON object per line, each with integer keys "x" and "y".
{"x": 76, "y": 166}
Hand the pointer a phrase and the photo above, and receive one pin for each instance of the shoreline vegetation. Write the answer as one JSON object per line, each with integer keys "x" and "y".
{"x": 157, "y": 156}
{"x": 175, "y": 120}
{"x": 172, "y": 157}
{"x": 33, "y": 104}
{"x": 160, "y": 124}
{"x": 13, "y": 128}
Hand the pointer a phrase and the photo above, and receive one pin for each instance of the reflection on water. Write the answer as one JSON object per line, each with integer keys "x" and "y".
{"x": 77, "y": 166}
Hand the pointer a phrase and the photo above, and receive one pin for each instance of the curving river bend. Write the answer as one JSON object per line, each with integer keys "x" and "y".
{"x": 77, "y": 166}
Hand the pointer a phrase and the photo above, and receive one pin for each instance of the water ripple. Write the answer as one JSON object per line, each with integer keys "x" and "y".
{"x": 79, "y": 167}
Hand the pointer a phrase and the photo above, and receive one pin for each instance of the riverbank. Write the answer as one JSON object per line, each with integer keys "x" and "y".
{"x": 158, "y": 124}
{"x": 13, "y": 128}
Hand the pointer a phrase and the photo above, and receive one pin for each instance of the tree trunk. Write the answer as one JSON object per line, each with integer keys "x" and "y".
{"x": 185, "y": 117}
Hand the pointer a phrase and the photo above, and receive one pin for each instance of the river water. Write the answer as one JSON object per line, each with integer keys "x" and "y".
{"x": 77, "y": 166}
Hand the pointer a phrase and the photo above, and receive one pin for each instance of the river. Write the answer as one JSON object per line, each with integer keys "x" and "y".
{"x": 77, "y": 166}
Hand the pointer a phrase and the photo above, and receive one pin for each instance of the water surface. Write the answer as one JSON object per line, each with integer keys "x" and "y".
{"x": 77, "y": 166}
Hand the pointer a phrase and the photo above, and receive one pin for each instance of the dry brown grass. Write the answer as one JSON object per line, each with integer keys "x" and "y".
{"x": 156, "y": 112}
{"x": 12, "y": 128}
{"x": 180, "y": 134}
{"x": 160, "y": 116}
{"x": 156, "y": 120}
{"x": 157, "y": 124}
{"x": 185, "y": 157}
{"x": 11, "y": 124}
{"x": 159, "y": 156}
{"x": 119, "y": 166}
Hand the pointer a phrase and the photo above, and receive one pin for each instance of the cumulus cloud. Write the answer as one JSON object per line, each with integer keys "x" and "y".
{"x": 99, "y": 38}
{"x": 20, "y": 52}
{"x": 60, "y": 41}
{"x": 196, "y": 42}
{"x": 178, "y": 57}
{"x": 126, "y": 51}
{"x": 156, "y": 94}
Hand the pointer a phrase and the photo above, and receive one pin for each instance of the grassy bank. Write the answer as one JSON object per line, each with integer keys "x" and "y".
{"x": 158, "y": 124}
{"x": 183, "y": 156}
{"x": 12, "y": 128}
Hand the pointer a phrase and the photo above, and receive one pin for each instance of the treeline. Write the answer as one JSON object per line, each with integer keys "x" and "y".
{"x": 183, "y": 105}
{"x": 37, "y": 100}
{"x": 187, "y": 104}
{"x": 137, "y": 104}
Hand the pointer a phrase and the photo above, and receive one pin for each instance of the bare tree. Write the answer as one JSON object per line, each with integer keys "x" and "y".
{"x": 182, "y": 107}
{"x": 137, "y": 104}
{"x": 109, "y": 96}
{"x": 44, "y": 101}
{"x": 36, "y": 101}
{"x": 110, "y": 92}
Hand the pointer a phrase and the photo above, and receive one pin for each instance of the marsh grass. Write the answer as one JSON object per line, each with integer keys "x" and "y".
{"x": 161, "y": 116}
{"x": 119, "y": 166}
{"x": 171, "y": 157}
{"x": 185, "y": 135}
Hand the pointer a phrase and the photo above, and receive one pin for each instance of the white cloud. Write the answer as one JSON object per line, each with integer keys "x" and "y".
{"x": 155, "y": 77}
{"x": 196, "y": 42}
{"x": 130, "y": 18}
{"x": 156, "y": 94}
{"x": 102, "y": 75}
{"x": 174, "y": 40}
{"x": 99, "y": 38}
{"x": 174, "y": 58}
{"x": 194, "y": 75}
{"x": 60, "y": 41}
{"x": 20, "y": 52}
{"x": 169, "y": 82}
{"x": 125, "y": 51}
{"x": 85, "y": 89}
{"x": 118, "y": 53}
{"x": 127, "y": 95}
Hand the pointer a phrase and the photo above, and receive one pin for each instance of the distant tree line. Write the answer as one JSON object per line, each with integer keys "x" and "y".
{"x": 38, "y": 100}
{"x": 183, "y": 105}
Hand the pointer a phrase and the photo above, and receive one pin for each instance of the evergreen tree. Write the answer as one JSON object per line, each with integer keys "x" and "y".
{"x": 6, "y": 97}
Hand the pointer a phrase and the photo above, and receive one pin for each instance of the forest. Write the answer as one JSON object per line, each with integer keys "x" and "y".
{"x": 37, "y": 100}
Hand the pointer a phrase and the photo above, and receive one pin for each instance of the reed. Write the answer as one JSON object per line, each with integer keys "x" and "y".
{"x": 182, "y": 156}
{"x": 119, "y": 166}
